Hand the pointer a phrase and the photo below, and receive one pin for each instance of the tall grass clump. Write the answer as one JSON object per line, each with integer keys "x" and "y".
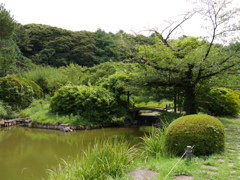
{"x": 106, "y": 159}
{"x": 154, "y": 143}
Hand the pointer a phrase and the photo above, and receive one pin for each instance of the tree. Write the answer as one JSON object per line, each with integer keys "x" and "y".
{"x": 186, "y": 62}
{"x": 7, "y": 23}
{"x": 7, "y": 46}
{"x": 106, "y": 47}
{"x": 54, "y": 46}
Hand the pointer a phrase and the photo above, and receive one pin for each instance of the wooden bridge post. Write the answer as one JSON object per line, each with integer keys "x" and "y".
{"x": 175, "y": 103}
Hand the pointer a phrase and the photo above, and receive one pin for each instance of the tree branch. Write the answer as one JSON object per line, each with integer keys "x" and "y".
{"x": 220, "y": 71}
{"x": 143, "y": 61}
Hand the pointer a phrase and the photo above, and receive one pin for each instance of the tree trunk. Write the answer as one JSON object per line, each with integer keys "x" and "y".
{"x": 175, "y": 102}
{"x": 190, "y": 104}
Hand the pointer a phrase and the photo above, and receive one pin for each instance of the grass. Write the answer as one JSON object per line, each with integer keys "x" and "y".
{"x": 154, "y": 143}
{"x": 161, "y": 104}
{"x": 116, "y": 160}
{"x": 106, "y": 160}
{"x": 39, "y": 112}
{"x": 224, "y": 166}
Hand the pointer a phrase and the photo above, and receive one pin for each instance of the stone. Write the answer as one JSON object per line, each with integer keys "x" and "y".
{"x": 183, "y": 178}
{"x": 143, "y": 174}
{"x": 230, "y": 164}
{"x": 220, "y": 160}
{"x": 209, "y": 167}
{"x": 209, "y": 172}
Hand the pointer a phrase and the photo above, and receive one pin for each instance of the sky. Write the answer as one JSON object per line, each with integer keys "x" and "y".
{"x": 109, "y": 15}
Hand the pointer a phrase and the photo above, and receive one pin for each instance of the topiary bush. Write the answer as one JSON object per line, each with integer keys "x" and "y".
{"x": 94, "y": 103}
{"x": 18, "y": 92}
{"x": 204, "y": 132}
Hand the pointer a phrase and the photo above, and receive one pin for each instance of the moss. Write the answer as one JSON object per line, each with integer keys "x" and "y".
{"x": 204, "y": 132}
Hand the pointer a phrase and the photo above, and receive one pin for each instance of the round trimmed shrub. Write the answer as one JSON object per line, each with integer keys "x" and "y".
{"x": 18, "y": 92}
{"x": 204, "y": 132}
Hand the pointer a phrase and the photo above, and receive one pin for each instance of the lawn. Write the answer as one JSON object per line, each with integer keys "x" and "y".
{"x": 224, "y": 166}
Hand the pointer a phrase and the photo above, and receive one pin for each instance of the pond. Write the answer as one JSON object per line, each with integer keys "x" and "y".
{"x": 27, "y": 153}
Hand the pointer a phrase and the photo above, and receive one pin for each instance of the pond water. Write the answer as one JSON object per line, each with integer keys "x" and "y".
{"x": 27, "y": 153}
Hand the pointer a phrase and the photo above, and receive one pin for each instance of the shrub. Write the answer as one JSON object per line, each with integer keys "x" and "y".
{"x": 18, "y": 92}
{"x": 220, "y": 102}
{"x": 94, "y": 103}
{"x": 5, "y": 111}
{"x": 204, "y": 132}
{"x": 50, "y": 79}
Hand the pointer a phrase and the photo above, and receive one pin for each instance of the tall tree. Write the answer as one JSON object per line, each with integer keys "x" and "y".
{"x": 188, "y": 61}
{"x": 7, "y": 49}
{"x": 7, "y": 23}
{"x": 106, "y": 47}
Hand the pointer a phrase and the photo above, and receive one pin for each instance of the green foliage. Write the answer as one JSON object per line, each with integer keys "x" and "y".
{"x": 94, "y": 103}
{"x": 7, "y": 23}
{"x": 7, "y": 57}
{"x": 204, "y": 132}
{"x": 220, "y": 102}
{"x": 106, "y": 47}
{"x": 116, "y": 83}
{"x": 186, "y": 62}
{"x": 53, "y": 46}
{"x": 38, "y": 111}
{"x": 18, "y": 92}
{"x": 11, "y": 60}
{"x": 154, "y": 143}
{"x": 50, "y": 79}
{"x": 104, "y": 70}
{"x": 168, "y": 117}
{"x": 6, "y": 111}
{"x": 107, "y": 159}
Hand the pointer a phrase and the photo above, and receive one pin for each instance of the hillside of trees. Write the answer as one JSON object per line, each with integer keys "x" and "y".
{"x": 156, "y": 66}
{"x": 56, "y": 47}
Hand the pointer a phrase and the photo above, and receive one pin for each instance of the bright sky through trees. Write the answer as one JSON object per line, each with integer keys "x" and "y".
{"x": 109, "y": 15}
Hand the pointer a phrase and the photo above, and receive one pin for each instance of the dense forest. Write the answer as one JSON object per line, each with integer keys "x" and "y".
{"x": 200, "y": 74}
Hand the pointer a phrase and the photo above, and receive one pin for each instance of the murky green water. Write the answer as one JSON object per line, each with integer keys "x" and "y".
{"x": 27, "y": 153}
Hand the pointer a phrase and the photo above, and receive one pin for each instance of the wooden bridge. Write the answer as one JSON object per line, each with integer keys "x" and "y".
{"x": 147, "y": 118}
{"x": 149, "y": 109}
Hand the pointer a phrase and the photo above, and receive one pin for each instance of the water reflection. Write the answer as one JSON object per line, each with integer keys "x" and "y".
{"x": 27, "y": 153}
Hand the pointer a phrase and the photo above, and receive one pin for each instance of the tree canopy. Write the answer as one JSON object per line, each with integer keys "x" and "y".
{"x": 7, "y": 23}
{"x": 188, "y": 61}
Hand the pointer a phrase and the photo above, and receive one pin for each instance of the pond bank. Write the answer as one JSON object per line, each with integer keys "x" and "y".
{"x": 17, "y": 121}
{"x": 63, "y": 127}
{"x": 58, "y": 126}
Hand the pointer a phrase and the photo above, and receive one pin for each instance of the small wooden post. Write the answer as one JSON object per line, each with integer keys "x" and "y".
{"x": 189, "y": 153}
